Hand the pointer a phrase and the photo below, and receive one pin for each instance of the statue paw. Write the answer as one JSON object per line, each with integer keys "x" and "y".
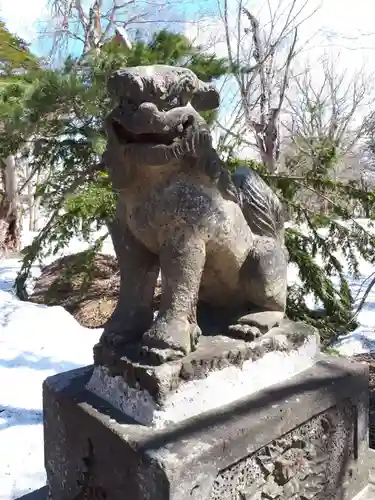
{"x": 110, "y": 339}
{"x": 114, "y": 334}
{"x": 169, "y": 340}
{"x": 156, "y": 356}
{"x": 255, "y": 324}
{"x": 264, "y": 320}
{"x": 245, "y": 332}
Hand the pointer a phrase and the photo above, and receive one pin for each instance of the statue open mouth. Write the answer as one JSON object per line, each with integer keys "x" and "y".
{"x": 125, "y": 136}
{"x": 149, "y": 125}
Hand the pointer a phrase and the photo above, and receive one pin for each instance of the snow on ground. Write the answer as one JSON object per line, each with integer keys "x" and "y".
{"x": 35, "y": 342}
{"x": 362, "y": 339}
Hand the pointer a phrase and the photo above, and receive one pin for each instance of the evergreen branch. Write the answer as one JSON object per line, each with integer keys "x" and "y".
{"x": 35, "y": 247}
{"x": 324, "y": 197}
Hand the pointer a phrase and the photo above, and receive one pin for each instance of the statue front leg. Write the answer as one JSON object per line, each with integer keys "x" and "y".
{"x": 139, "y": 271}
{"x": 175, "y": 331}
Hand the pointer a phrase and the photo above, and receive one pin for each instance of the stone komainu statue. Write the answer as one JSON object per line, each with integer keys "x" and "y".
{"x": 217, "y": 239}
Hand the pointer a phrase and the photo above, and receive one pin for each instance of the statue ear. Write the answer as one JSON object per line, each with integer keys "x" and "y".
{"x": 206, "y": 99}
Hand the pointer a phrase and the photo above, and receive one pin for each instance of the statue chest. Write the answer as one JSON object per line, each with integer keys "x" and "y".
{"x": 166, "y": 210}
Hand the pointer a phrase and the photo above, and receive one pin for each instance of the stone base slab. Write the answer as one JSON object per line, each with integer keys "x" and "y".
{"x": 221, "y": 371}
{"x": 305, "y": 438}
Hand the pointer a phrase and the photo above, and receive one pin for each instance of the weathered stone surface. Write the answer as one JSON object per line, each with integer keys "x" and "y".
{"x": 263, "y": 320}
{"x": 213, "y": 353}
{"x": 215, "y": 238}
{"x": 165, "y": 86}
{"x": 306, "y": 435}
{"x": 162, "y": 394}
{"x": 301, "y": 464}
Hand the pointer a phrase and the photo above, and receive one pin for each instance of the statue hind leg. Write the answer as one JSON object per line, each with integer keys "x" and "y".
{"x": 175, "y": 332}
{"x": 264, "y": 274}
{"x": 263, "y": 280}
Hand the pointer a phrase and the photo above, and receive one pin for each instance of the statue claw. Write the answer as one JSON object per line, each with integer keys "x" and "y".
{"x": 171, "y": 339}
{"x": 245, "y": 332}
{"x": 159, "y": 356}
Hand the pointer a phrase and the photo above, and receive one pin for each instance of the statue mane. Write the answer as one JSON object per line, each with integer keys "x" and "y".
{"x": 265, "y": 213}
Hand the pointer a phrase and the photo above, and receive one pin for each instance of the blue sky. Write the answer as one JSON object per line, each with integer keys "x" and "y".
{"x": 344, "y": 16}
{"x": 22, "y": 17}
{"x": 347, "y": 18}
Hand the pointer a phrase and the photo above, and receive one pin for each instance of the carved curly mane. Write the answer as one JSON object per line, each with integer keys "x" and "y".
{"x": 260, "y": 205}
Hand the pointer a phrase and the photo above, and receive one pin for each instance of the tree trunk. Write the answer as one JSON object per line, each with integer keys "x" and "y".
{"x": 10, "y": 231}
{"x": 33, "y": 201}
{"x": 34, "y": 217}
{"x": 30, "y": 199}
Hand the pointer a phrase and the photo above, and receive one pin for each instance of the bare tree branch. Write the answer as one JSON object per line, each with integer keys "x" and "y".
{"x": 262, "y": 64}
{"x": 328, "y": 105}
{"x": 89, "y": 24}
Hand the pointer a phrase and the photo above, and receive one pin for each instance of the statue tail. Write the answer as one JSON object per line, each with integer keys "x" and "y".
{"x": 260, "y": 205}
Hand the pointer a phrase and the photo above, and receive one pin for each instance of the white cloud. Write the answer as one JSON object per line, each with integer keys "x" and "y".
{"x": 337, "y": 25}
{"x": 21, "y": 16}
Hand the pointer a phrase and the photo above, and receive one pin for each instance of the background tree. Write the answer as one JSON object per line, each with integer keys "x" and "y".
{"x": 263, "y": 55}
{"x": 15, "y": 56}
{"x": 16, "y": 62}
{"x": 326, "y": 110}
{"x": 63, "y": 112}
{"x": 364, "y": 160}
{"x": 77, "y": 26}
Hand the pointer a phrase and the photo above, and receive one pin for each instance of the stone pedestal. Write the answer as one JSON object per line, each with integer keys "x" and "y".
{"x": 221, "y": 371}
{"x": 305, "y": 438}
